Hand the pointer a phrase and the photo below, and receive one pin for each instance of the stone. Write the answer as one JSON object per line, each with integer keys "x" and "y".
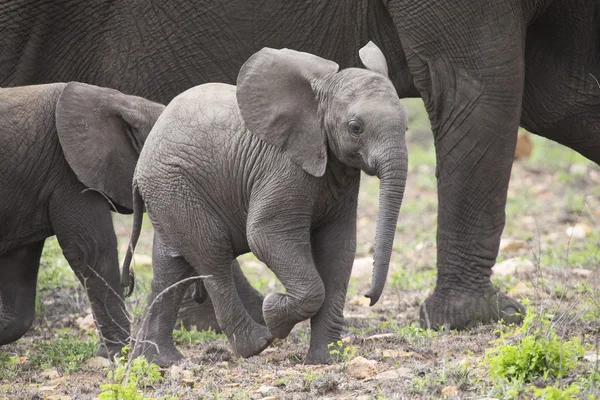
{"x": 450, "y": 392}
{"x": 361, "y": 368}
{"x": 50, "y": 374}
{"x": 269, "y": 398}
{"x": 362, "y": 267}
{"x": 380, "y": 336}
{"x": 87, "y": 324}
{"x": 266, "y": 390}
{"x": 522, "y": 290}
{"x": 512, "y": 245}
{"x": 584, "y": 273}
{"x": 578, "y": 231}
{"x": 98, "y": 363}
{"x": 58, "y": 397}
{"x": 578, "y": 169}
{"x": 395, "y": 374}
{"x": 513, "y": 266}
{"x": 179, "y": 373}
{"x": 360, "y": 301}
{"x": 400, "y": 354}
{"x": 591, "y": 356}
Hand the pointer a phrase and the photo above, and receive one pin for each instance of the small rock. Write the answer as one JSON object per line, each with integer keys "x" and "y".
{"x": 591, "y": 356}
{"x": 178, "y": 372}
{"x": 360, "y": 301}
{"x": 584, "y": 273}
{"x": 97, "y": 363}
{"x": 87, "y": 324}
{"x": 48, "y": 302}
{"x": 266, "y": 390}
{"x": 269, "y": 398}
{"x": 521, "y": 289}
{"x": 512, "y": 266}
{"x": 362, "y": 267}
{"x": 394, "y": 374}
{"x": 578, "y": 231}
{"x": 361, "y": 368}
{"x": 50, "y": 374}
{"x": 578, "y": 169}
{"x": 58, "y": 397}
{"x": 450, "y": 392}
{"x": 400, "y": 354}
{"x": 380, "y": 336}
{"x": 512, "y": 245}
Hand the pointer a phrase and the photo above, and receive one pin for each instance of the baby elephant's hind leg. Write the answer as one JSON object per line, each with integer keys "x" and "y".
{"x": 155, "y": 337}
{"x": 18, "y": 278}
{"x": 247, "y": 337}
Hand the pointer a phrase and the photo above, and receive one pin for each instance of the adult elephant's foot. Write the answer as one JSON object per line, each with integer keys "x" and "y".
{"x": 110, "y": 351}
{"x": 251, "y": 344}
{"x": 319, "y": 352}
{"x": 464, "y": 310}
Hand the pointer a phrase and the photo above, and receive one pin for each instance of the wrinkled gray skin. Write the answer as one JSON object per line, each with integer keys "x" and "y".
{"x": 482, "y": 69}
{"x": 57, "y": 141}
{"x": 273, "y": 167}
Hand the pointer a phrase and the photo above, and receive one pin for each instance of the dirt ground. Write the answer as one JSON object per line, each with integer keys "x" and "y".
{"x": 549, "y": 256}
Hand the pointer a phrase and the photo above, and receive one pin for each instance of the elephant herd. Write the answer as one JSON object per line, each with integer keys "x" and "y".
{"x": 272, "y": 165}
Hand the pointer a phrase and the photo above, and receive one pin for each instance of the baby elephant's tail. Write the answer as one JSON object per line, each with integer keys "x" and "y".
{"x": 128, "y": 277}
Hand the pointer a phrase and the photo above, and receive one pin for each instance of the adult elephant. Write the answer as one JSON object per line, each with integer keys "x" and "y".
{"x": 481, "y": 68}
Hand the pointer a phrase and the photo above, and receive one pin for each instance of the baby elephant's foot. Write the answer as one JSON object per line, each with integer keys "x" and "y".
{"x": 282, "y": 312}
{"x": 251, "y": 344}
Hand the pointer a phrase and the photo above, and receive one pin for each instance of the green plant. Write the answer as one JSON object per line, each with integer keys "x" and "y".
{"x": 130, "y": 379}
{"x": 554, "y": 393}
{"x": 184, "y": 336}
{"x": 67, "y": 352}
{"x": 538, "y": 352}
{"x": 341, "y": 352}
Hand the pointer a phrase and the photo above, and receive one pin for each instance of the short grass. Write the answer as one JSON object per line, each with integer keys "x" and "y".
{"x": 552, "y": 356}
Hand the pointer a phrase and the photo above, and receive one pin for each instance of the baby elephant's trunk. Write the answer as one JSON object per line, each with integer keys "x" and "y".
{"x": 391, "y": 170}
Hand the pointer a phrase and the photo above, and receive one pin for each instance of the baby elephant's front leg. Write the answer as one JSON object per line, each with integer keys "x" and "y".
{"x": 289, "y": 257}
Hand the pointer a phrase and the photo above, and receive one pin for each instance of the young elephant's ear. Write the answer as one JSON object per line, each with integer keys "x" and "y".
{"x": 101, "y": 132}
{"x": 373, "y": 58}
{"x": 279, "y": 105}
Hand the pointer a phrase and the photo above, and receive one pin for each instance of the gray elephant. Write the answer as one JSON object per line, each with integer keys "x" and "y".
{"x": 273, "y": 167}
{"x": 482, "y": 69}
{"x": 64, "y": 150}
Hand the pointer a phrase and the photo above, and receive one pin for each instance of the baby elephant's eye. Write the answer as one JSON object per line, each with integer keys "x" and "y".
{"x": 355, "y": 127}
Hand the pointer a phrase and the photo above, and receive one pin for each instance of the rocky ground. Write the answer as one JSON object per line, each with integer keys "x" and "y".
{"x": 549, "y": 258}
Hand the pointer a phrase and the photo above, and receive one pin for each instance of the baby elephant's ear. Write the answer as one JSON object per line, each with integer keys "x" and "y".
{"x": 373, "y": 58}
{"x": 278, "y": 103}
{"x": 101, "y": 132}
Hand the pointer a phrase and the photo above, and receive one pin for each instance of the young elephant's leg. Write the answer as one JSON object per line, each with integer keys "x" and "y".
{"x": 18, "y": 278}
{"x": 202, "y": 316}
{"x": 155, "y": 337}
{"x": 247, "y": 337}
{"x": 334, "y": 248}
{"x": 83, "y": 226}
{"x": 284, "y": 246}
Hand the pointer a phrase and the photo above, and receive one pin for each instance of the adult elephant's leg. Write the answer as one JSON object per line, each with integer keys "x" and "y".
{"x": 18, "y": 278}
{"x": 467, "y": 61}
{"x": 155, "y": 336}
{"x": 83, "y": 226}
{"x": 334, "y": 248}
{"x": 202, "y": 316}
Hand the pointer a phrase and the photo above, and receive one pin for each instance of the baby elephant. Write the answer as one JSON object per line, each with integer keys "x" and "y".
{"x": 57, "y": 142}
{"x": 271, "y": 166}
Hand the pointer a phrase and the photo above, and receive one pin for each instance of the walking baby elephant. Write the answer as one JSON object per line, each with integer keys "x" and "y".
{"x": 56, "y": 142}
{"x": 273, "y": 167}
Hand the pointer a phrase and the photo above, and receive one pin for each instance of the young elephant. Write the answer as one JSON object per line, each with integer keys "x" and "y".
{"x": 273, "y": 167}
{"x": 56, "y": 142}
